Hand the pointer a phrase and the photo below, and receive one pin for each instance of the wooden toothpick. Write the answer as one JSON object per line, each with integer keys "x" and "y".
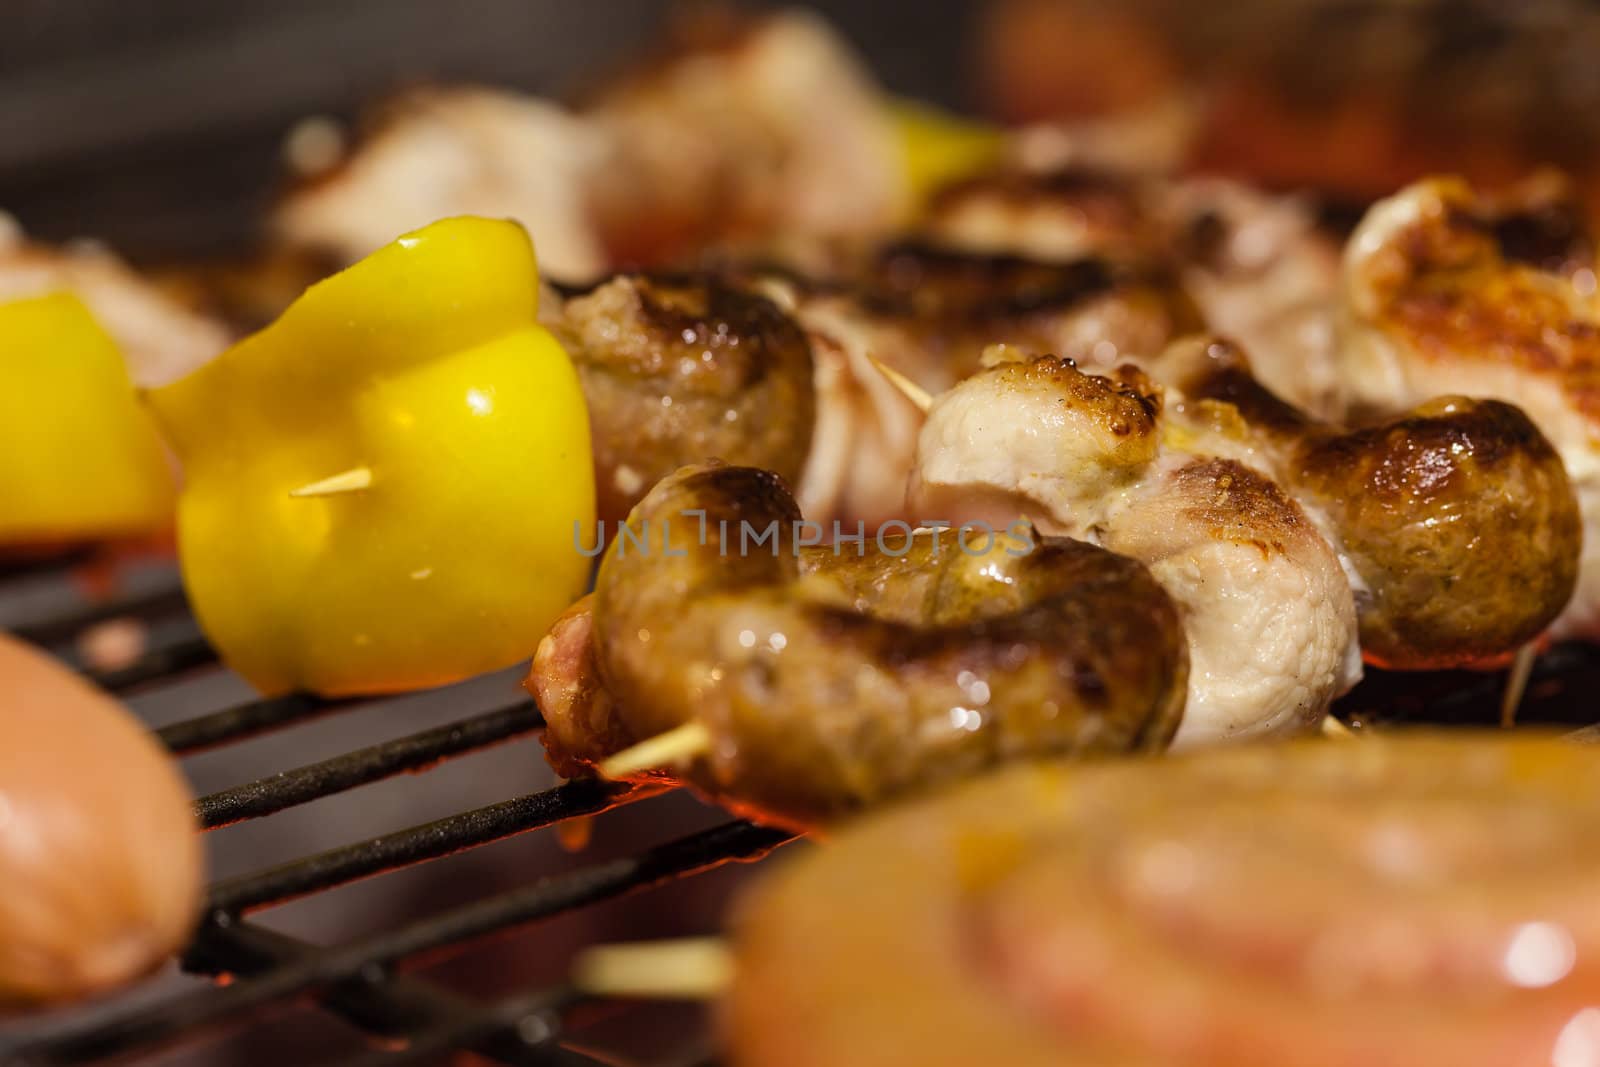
{"x": 349, "y": 481}
{"x": 913, "y": 392}
{"x": 676, "y": 746}
{"x": 690, "y": 968}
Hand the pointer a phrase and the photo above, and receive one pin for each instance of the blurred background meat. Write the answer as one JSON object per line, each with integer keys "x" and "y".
{"x": 1350, "y": 97}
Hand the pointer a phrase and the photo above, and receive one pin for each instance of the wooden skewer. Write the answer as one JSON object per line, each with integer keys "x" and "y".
{"x": 677, "y": 745}
{"x": 348, "y": 481}
{"x": 690, "y": 968}
{"x": 1332, "y": 727}
{"x": 1517, "y": 684}
{"x": 913, "y": 392}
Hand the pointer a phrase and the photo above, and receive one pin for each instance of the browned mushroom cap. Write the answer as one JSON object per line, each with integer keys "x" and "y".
{"x": 1410, "y": 900}
{"x": 826, "y": 685}
{"x": 1460, "y": 518}
{"x": 1457, "y": 515}
{"x": 682, "y": 370}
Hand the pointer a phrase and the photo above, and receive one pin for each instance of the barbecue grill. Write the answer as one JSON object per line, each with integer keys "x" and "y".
{"x": 409, "y": 1019}
{"x": 240, "y": 968}
{"x": 362, "y": 980}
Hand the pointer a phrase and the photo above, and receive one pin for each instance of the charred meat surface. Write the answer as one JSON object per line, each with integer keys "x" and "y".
{"x": 1447, "y": 290}
{"x": 682, "y": 370}
{"x": 828, "y": 685}
{"x": 1455, "y": 518}
{"x": 1251, "y": 266}
{"x": 1269, "y": 614}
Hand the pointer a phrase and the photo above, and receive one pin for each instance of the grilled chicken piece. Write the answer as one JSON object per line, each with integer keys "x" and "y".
{"x": 1454, "y": 523}
{"x": 1423, "y": 899}
{"x": 830, "y": 683}
{"x": 1448, "y": 289}
{"x": 751, "y": 131}
{"x": 764, "y": 367}
{"x": 746, "y": 130}
{"x": 161, "y": 339}
{"x": 1256, "y": 266}
{"x": 434, "y": 153}
{"x": 1269, "y": 614}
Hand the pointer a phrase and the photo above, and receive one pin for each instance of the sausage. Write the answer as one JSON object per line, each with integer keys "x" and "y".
{"x": 829, "y": 687}
{"x": 100, "y": 856}
{"x": 1457, "y": 516}
{"x": 680, "y": 370}
{"x": 1421, "y": 899}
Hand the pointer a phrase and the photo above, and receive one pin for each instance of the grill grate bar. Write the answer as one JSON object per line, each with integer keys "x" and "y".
{"x": 243, "y": 721}
{"x": 387, "y": 1005}
{"x": 521, "y": 1019}
{"x": 67, "y": 624}
{"x": 158, "y": 664}
{"x": 326, "y": 967}
{"x": 413, "y": 752}
{"x": 456, "y": 833}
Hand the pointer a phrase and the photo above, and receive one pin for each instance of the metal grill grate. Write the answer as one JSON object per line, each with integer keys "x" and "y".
{"x": 411, "y": 1019}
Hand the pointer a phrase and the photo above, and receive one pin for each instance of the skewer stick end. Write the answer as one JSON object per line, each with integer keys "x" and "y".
{"x": 691, "y": 968}
{"x": 675, "y": 746}
{"x": 1517, "y": 683}
{"x": 1333, "y": 728}
{"x": 912, "y": 391}
{"x": 349, "y": 481}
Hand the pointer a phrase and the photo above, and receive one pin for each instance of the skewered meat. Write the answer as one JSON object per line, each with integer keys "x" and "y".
{"x": 678, "y": 371}
{"x": 928, "y": 314}
{"x": 160, "y": 338}
{"x": 1455, "y": 519}
{"x": 1448, "y": 289}
{"x": 827, "y": 683}
{"x": 1256, "y": 267}
{"x": 435, "y": 153}
{"x": 1269, "y": 615}
{"x": 747, "y": 130}
{"x": 1405, "y": 901}
{"x": 1341, "y": 96}
{"x": 1455, "y": 523}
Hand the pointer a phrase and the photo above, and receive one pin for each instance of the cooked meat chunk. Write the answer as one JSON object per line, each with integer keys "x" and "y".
{"x": 1455, "y": 519}
{"x": 1455, "y": 524}
{"x": 434, "y": 153}
{"x": 1256, "y": 266}
{"x": 828, "y": 684}
{"x": 684, "y": 370}
{"x": 745, "y": 130}
{"x": 160, "y": 338}
{"x": 1269, "y": 615}
{"x": 1447, "y": 290}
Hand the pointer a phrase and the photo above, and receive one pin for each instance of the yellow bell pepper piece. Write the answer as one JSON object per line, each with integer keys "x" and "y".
{"x": 79, "y": 458}
{"x": 937, "y": 147}
{"x": 381, "y": 486}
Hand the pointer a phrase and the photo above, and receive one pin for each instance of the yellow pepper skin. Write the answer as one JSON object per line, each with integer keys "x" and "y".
{"x": 937, "y": 148}
{"x": 79, "y": 459}
{"x": 423, "y": 365}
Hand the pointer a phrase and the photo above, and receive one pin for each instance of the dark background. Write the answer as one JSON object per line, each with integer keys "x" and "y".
{"x": 156, "y": 125}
